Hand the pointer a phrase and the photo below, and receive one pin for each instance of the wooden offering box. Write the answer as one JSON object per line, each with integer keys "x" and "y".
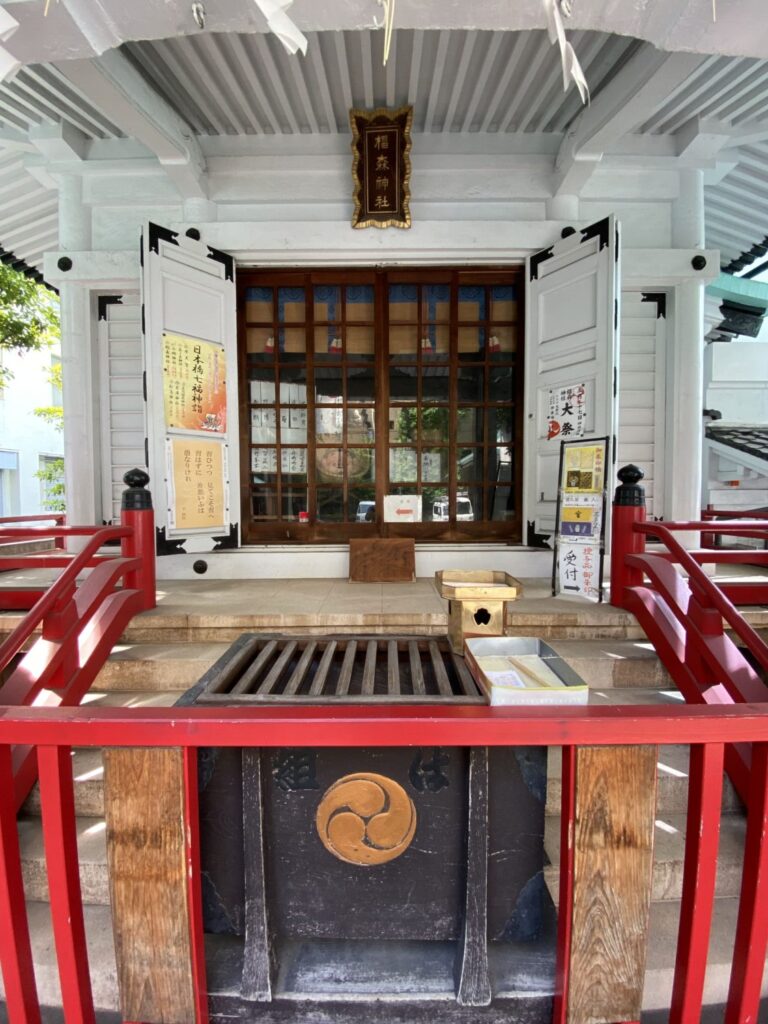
{"x": 478, "y": 599}
{"x": 361, "y": 884}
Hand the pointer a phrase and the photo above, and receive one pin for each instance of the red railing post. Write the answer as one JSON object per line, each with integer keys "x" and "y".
{"x": 628, "y": 509}
{"x": 137, "y": 513}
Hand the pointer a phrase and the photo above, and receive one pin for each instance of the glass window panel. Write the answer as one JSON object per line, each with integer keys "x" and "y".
{"x": 328, "y": 343}
{"x": 435, "y": 341}
{"x": 263, "y": 426}
{"x": 264, "y": 504}
{"x": 293, "y": 424}
{"x": 402, "y": 464}
{"x": 500, "y": 465}
{"x": 293, "y": 464}
{"x": 330, "y": 505}
{"x": 361, "y": 507}
{"x": 469, "y": 463}
{"x": 502, "y": 340}
{"x": 501, "y": 422}
{"x": 294, "y": 501}
{"x": 472, "y": 302}
{"x": 501, "y": 506}
{"x": 359, "y": 302}
{"x": 436, "y": 303}
{"x": 258, "y": 305}
{"x": 361, "y": 384}
{"x": 402, "y": 425}
{"x": 503, "y": 302}
{"x": 474, "y": 495}
{"x": 500, "y": 381}
{"x": 293, "y": 386}
{"x": 329, "y": 385}
{"x": 361, "y": 465}
{"x": 327, "y": 300}
{"x": 403, "y": 384}
{"x": 436, "y": 425}
{"x": 263, "y": 463}
{"x": 403, "y": 342}
{"x": 435, "y": 384}
{"x": 261, "y": 385}
{"x": 470, "y": 381}
{"x": 471, "y": 343}
{"x": 434, "y": 504}
{"x": 403, "y": 302}
{"x": 329, "y": 425}
{"x": 434, "y": 465}
{"x": 360, "y": 342}
{"x": 469, "y": 424}
{"x": 291, "y": 305}
{"x": 329, "y": 465}
{"x": 361, "y": 427}
{"x": 292, "y": 341}
{"x": 260, "y": 341}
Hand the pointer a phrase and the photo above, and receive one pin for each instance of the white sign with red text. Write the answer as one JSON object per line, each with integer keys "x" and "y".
{"x": 402, "y": 508}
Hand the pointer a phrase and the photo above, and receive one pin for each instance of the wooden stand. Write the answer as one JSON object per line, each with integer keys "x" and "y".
{"x": 478, "y": 600}
{"x": 382, "y": 560}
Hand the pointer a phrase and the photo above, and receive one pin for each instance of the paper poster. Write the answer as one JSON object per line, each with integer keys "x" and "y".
{"x": 582, "y": 520}
{"x": 402, "y": 508}
{"x": 197, "y": 472}
{"x": 579, "y": 569}
{"x": 583, "y": 469}
{"x": 567, "y": 412}
{"x": 194, "y": 384}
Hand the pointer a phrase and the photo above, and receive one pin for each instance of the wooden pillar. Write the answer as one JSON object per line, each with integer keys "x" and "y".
{"x": 613, "y": 862}
{"x": 147, "y": 858}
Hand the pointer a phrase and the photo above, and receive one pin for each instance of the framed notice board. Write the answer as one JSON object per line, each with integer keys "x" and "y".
{"x": 580, "y": 518}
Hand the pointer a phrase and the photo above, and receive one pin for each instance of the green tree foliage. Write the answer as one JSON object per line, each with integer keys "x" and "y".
{"x": 52, "y": 475}
{"x": 29, "y": 313}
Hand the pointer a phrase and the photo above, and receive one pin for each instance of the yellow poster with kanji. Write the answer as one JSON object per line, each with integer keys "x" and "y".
{"x": 198, "y": 484}
{"x": 584, "y": 469}
{"x": 194, "y": 384}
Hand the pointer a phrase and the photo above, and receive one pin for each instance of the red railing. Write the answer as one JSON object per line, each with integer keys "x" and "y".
{"x": 685, "y": 614}
{"x": 53, "y": 733}
{"x": 57, "y": 518}
{"x": 79, "y": 617}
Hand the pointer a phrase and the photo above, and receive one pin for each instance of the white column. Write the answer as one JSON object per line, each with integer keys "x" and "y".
{"x": 79, "y": 379}
{"x": 564, "y": 208}
{"x": 685, "y": 381}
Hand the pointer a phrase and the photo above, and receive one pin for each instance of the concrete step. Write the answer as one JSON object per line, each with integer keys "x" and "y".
{"x": 614, "y": 663}
{"x": 669, "y": 856}
{"x": 672, "y": 775}
{"x": 101, "y": 956}
{"x": 92, "y": 853}
{"x": 87, "y": 763}
{"x": 150, "y": 667}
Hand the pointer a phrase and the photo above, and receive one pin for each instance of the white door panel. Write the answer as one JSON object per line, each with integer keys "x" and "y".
{"x": 571, "y": 341}
{"x": 189, "y": 291}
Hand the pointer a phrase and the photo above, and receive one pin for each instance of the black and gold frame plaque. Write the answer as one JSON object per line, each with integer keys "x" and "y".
{"x": 381, "y": 167}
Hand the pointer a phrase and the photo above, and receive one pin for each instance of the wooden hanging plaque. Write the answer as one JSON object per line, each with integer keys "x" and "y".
{"x": 381, "y": 167}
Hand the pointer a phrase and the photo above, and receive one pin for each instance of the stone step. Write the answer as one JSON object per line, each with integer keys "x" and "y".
{"x": 669, "y": 856}
{"x": 149, "y": 667}
{"x": 87, "y": 763}
{"x": 659, "y": 974}
{"x": 672, "y": 776}
{"x": 92, "y": 853}
{"x": 614, "y": 663}
{"x": 101, "y": 957}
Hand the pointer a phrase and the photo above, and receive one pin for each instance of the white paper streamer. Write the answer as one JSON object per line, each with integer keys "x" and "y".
{"x": 8, "y": 24}
{"x": 279, "y": 23}
{"x": 389, "y": 20}
{"x": 9, "y": 65}
{"x": 572, "y": 71}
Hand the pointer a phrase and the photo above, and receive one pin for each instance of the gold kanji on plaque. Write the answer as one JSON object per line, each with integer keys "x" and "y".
{"x": 381, "y": 167}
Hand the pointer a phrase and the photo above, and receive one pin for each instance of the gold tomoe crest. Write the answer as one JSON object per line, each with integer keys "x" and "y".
{"x": 366, "y": 819}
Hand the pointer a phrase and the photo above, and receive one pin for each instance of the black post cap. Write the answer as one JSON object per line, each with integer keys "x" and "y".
{"x": 136, "y": 496}
{"x": 629, "y": 491}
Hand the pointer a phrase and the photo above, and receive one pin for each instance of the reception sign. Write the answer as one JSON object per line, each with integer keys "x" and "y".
{"x": 580, "y": 519}
{"x": 198, "y": 492}
{"x": 194, "y": 384}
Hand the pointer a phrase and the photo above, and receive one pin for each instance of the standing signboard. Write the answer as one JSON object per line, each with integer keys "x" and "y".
{"x": 580, "y": 518}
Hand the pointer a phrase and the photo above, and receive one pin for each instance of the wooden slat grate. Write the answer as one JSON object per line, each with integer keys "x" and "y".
{"x": 392, "y": 670}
